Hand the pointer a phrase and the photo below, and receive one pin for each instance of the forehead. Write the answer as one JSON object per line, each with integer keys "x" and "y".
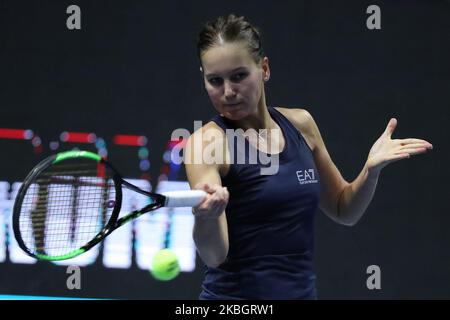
{"x": 223, "y": 58}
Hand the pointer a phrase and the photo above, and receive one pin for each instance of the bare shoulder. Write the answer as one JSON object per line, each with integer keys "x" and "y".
{"x": 303, "y": 121}
{"x": 206, "y": 148}
{"x": 204, "y": 134}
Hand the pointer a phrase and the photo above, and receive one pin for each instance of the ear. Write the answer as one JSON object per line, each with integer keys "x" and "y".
{"x": 265, "y": 68}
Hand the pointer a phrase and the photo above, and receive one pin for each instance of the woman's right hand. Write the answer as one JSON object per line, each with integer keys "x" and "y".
{"x": 215, "y": 202}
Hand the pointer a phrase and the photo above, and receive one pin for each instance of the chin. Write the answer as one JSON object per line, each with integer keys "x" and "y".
{"x": 234, "y": 115}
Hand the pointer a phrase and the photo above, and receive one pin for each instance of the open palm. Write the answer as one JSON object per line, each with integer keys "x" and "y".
{"x": 386, "y": 150}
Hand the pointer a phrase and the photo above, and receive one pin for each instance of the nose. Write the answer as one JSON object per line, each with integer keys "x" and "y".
{"x": 229, "y": 91}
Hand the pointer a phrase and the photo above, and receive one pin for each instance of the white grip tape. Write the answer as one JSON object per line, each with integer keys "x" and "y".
{"x": 185, "y": 198}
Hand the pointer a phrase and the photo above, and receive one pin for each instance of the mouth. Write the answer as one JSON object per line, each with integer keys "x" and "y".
{"x": 232, "y": 104}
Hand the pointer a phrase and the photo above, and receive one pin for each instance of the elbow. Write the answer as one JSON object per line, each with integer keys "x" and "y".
{"x": 219, "y": 256}
{"x": 216, "y": 259}
{"x": 347, "y": 220}
{"x": 347, "y": 223}
{"x": 212, "y": 256}
{"x": 215, "y": 263}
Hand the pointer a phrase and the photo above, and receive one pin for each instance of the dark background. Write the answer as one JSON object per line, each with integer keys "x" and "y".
{"x": 133, "y": 69}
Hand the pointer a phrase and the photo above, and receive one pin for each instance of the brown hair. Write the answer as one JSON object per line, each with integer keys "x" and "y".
{"x": 230, "y": 28}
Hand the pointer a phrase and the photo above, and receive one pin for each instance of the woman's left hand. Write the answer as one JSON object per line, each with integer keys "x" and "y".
{"x": 386, "y": 150}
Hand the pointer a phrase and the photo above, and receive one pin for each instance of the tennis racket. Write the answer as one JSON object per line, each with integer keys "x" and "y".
{"x": 71, "y": 201}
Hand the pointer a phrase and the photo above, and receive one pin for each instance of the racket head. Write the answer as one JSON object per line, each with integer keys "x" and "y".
{"x": 66, "y": 205}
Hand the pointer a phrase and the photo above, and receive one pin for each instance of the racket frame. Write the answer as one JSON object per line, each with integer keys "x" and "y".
{"x": 113, "y": 222}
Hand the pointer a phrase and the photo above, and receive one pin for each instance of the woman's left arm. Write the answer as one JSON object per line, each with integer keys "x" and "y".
{"x": 357, "y": 195}
{"x": 346, "y": 202}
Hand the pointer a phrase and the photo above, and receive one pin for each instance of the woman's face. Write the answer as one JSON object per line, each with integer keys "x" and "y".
{"x": 233, "y": 80}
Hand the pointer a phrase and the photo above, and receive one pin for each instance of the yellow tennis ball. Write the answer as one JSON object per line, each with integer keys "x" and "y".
{"x": 165, "y": 265}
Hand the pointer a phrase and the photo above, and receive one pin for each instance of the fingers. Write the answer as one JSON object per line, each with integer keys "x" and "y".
{"x": 203, "y": 186}
{"x": 415, "y": 148}
{"x": 219, "y": 196}
{"x": 397, "y": 157}
{"x": 392, "y": 124}
{"x": 404, "y": 142}
{"x": 214, "y": 204}
{"x": 418, "y": 145}
{"x": 410, "y": 147}
{"x": 412, "y": 151}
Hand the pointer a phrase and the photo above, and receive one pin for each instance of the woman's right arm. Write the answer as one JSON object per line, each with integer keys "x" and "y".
{"x": 210, "y": 227}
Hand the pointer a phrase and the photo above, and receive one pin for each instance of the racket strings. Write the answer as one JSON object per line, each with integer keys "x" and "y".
{"x": 66, "y": 206}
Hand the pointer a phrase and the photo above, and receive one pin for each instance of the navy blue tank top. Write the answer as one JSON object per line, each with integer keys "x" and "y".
{"x": 270, "y": 224}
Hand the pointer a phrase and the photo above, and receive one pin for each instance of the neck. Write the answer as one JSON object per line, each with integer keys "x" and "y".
{"x": 259, "y": 120}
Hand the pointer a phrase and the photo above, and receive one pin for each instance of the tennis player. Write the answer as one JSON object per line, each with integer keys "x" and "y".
{"x": 255, "y": 231}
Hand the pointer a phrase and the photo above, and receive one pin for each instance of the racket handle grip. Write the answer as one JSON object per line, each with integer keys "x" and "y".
{"x": 185, "y": 198}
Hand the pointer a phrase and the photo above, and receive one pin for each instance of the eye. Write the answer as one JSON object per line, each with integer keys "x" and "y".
{"x": 239, "y": 76}
{"x": 215, "y": 81}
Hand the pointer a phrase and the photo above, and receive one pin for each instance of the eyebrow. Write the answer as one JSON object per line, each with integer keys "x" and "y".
{"x": 234, "y": 70}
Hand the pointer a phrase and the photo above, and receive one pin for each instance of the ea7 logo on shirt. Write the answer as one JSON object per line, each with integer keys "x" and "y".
{"x": 306, "y": 176}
